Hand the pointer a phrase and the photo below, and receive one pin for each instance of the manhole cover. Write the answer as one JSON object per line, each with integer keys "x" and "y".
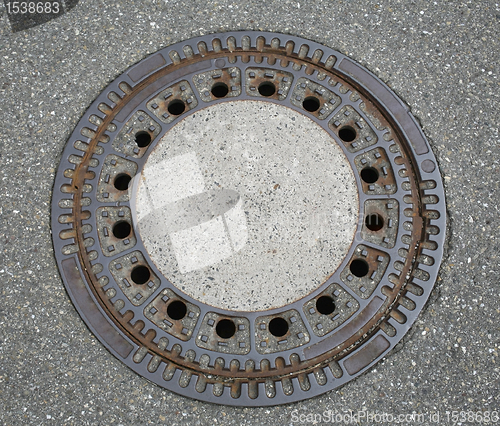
{"x": 248, "y": 218}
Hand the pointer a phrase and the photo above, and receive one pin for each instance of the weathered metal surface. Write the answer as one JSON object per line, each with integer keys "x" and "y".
{"x": 216, "y": 84}
{"x": 314, "y": 98}
{"x": 268, "y": 83}
{"x": 282, "y": 355}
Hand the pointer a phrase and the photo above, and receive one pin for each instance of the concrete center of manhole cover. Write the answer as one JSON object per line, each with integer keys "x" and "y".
{"x": 247, "y": 205}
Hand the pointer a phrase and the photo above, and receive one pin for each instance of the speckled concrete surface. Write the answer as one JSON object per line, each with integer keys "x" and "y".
{"x": 440, "y": 57}
{"x": 291, "y": 221}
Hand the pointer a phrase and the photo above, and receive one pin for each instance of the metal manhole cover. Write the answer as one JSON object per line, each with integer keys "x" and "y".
{"x": 248, "y": 218}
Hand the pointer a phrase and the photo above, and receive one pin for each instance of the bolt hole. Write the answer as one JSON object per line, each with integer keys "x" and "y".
{"x": 369, "y": 175}
{"x": 121, "y": 229}
{"x": 140, "y": 274}
{"x": 267, "y": 88}
{"x": 219, "y": 90}
{"x": 359, "y": 268}
{"x": 177, "y": 310}
{"x": 374, "y": 222}
{"x": 225, "y": 328}
{"x": 325, "y": 305}
{"x": 311, "y": 104}
{"x": 142, "y": 139}
{"x": 122, "y": 182}
{"x": 176, "y": 107}
{"x": 278, "y": 327}
{"x": 347, "y": 134}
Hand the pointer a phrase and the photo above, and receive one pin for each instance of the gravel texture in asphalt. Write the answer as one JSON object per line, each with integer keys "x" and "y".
{"x": 442, "y": 58}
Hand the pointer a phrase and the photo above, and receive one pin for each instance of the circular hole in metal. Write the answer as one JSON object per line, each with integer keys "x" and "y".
{"x": 219, "y": 90}
{"x": 359, "y": 268}
{"x": 311, "y": 103}
{"x": 374, "y": 222}
{"x": 177, "y": 310}
{"x": 142, "y": 139}
{"x": 176, "y": 107}
{"x": 122, "y": 181}
{"x": 267, "y": 88}
{"x": 325, "y": 305}
{"x": 347, "y": 134}
{"x": 121, "y": 229}
{"x": 278, "y": 327}
{"x": 225, "y": 328}
{"x": 140, "y": 274}
{"x": 369, "y": 175}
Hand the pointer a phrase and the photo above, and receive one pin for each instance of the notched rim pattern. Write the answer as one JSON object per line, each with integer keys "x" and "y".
{"x": 323, "y": 340}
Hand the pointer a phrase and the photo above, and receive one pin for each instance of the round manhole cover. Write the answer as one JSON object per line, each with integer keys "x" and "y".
{"x": 248, "y": 218}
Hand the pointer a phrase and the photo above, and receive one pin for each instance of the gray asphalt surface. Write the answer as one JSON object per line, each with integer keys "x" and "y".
{"x": 442, "y": 58}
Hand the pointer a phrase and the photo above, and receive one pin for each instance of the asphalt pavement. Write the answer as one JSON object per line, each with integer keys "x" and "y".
{"x": 441, "y": 58}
